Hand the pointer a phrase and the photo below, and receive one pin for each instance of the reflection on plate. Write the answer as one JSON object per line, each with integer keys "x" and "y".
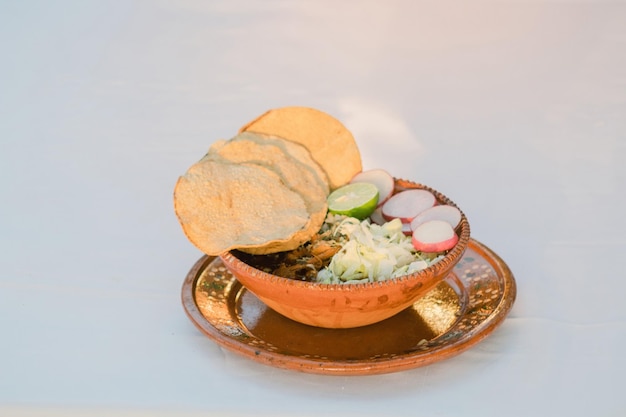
{"x": 466, "y": 307}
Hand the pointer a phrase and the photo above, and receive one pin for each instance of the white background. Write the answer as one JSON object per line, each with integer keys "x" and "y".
{"x": 514, "y": 109}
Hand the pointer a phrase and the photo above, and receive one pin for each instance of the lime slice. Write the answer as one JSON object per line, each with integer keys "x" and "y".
{"x": 355, "y": 200}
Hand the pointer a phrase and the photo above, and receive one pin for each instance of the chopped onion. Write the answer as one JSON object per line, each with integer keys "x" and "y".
{"x": 371, "y": 252}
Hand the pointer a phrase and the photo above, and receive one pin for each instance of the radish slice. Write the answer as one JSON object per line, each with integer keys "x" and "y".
{"x": 434, "y": 236}
{"x": 407, "y": 204}
{"x": 381, "y": 179}
{"x": 377, "y": 216}
{"x": 447, "y": 213}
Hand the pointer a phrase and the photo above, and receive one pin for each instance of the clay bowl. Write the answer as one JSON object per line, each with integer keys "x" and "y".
{"x": 351, "y": 305}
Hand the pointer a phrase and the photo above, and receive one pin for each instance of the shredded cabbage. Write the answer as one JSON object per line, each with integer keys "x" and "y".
{"x": 371, "y": 252}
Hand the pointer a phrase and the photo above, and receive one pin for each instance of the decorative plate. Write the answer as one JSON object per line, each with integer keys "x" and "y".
{"x": 461, "y": 311}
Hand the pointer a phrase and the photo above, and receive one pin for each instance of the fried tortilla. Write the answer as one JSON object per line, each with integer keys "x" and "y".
{"x": 222, "y": 206}
{"x": 277, "y": 155}
{"x": 330, "y": 143}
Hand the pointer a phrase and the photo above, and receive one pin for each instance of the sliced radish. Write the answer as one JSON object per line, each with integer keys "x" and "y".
{"x": 407, "y": 204}
{"x": 434, "y": 236}
{"x": 381, "y": 179}
{"x": 445, "y": 212}
{"x": 406, "y": 229}
{"x": 377, "y": 216}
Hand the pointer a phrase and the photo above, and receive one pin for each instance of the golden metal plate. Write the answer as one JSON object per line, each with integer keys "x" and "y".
{"x": 465, "y": 308}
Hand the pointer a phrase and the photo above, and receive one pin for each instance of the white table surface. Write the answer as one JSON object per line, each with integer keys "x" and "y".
{"x": 515, "y": 109}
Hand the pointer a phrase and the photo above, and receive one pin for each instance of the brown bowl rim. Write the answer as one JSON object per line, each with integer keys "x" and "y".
{"x": 453, "y": 255}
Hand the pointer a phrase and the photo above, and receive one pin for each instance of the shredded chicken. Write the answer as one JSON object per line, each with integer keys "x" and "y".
{"x": 304, "y": 262}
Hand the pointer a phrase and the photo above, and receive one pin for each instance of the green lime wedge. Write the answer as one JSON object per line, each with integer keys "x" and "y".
{"x": 355, "y": 200}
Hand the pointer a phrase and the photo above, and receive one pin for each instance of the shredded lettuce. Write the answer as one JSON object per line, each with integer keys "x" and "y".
{"x": 371, "y": 252}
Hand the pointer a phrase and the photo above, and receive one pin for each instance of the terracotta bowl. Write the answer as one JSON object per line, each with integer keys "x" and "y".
{"x": 348, "y": 305}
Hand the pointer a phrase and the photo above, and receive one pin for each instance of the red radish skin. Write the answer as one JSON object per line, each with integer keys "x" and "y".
{"x": 445, "y": 212}
{"x": 407, "y": 204}
{"x": 434, "y": 236}
{"x": 381, "y": 179}
{"x": 406, "y": 229}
